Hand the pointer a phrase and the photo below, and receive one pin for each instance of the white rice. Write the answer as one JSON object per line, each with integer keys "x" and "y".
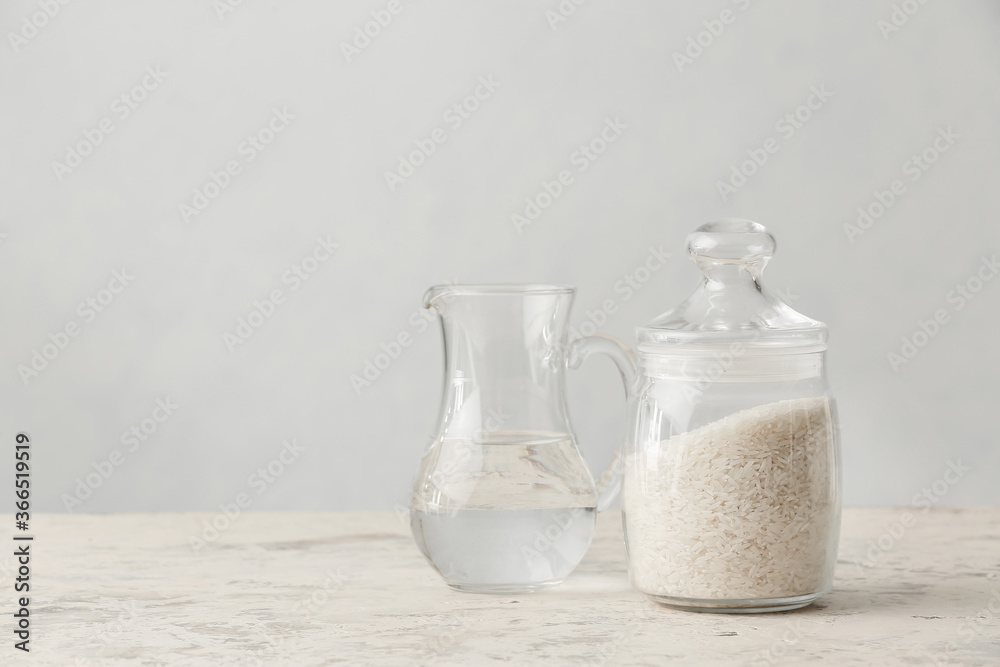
{"x": 743, "y": 508}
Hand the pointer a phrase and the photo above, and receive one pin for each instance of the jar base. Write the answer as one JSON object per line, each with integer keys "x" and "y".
{"x": 502, "y": 589}
{"x": 760, "y": 606}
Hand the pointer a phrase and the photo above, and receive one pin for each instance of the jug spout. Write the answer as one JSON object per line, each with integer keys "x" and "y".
{"x": 434, "y": 294}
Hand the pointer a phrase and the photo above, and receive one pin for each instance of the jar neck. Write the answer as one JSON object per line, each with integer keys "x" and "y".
{"x": 735, "y": 364}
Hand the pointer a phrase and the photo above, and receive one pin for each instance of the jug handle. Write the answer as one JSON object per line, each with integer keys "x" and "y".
{"x": 609, "y": 482}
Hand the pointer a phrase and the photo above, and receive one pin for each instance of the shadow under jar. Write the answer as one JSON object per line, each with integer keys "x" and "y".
{"x": 731, "y": 486}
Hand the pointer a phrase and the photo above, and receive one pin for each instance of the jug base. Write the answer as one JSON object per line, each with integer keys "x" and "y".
{"x": 503, "y": 589}
{"x": 736, "y": 606}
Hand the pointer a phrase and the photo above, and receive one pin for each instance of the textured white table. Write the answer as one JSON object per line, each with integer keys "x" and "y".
{"x": 352, "y": 589}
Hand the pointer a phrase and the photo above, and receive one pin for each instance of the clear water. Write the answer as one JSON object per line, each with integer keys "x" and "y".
{"x": 501, "y": 550}
{"x": 511, "y": 511}
{"x": 523, "y": 470}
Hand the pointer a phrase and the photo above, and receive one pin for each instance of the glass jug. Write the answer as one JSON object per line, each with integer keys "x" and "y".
{"x": 731, "y": 484}
{"x": 503, "y": 501}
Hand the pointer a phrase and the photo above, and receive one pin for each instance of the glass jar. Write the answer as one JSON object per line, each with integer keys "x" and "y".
{"x": 731, "y": 483}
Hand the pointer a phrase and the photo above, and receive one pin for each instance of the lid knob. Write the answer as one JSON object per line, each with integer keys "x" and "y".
{"x": 731, "y": 304}
{"x": 732, "y": 240}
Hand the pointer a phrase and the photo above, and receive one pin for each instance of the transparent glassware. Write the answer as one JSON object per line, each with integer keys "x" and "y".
{"x": 503, "y": 501}
{"x": 731, "y": 482}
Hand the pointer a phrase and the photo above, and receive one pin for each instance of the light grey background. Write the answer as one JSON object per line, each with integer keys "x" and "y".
{"x": 162, "y": 336}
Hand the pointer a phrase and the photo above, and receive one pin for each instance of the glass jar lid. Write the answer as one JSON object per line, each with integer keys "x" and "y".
{"x": 731, "y": 307}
